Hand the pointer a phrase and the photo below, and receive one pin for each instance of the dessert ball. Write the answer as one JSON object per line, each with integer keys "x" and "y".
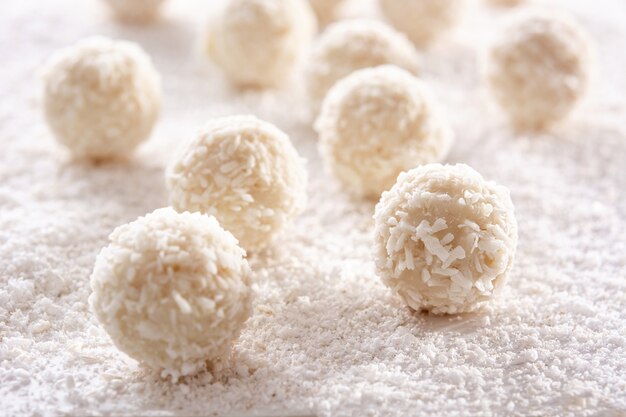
{"x": 350, "y": 45}
{"x": 245, "y": 172}
{"x": 259, "y": 42}
{"x": 422, "y": 20}
{"x": 101, "y": 97}
{"x": 376, "y": 123}
{"x": 172, "y": 290}
{"x": 506, "y": 3}
{"x": 538, "y": 69}
{"x": 139, "y": 11}
{"x": 444, "y": 238}
{"x": 326, "y": 10}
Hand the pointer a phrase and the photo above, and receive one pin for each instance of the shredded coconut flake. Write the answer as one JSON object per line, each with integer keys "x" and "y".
{"x": 376, "y": 123}
{"x": 487, "y": 239}
{"x": 101, "y": 97}
{"x": 251, "y": 178}
{"x": 538, "y": 68}
{"x": 184, "y": 297}
{"x": 350, "y": 45}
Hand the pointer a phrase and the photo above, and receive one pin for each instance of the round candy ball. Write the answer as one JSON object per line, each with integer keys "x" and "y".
{"x": 172, "y": 290}
{"x": 245, "y": 172}
{"x": 506, "y": 3}
{"x": 349, "y": 45}
{"x": 538, "y": 69}
{"x": 259, "y": 42}
{"x": 326, "y": 10}
{"x": 139, "y": 11}
{"x": 376, "y": 123}
{"x": 445, "y": 238}
{"x": 101, "y": 97}
{"x": 422, "y": 20}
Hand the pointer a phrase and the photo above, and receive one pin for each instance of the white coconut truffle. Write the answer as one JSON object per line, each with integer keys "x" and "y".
{"x": 172, "y": 291}
{"x": 139, "y": 11}
{"x": 538, "y": 68}
{"x": 101, "y": 97}
{"x": 326, "y": 10}
{"x": 422, "y": 20}
{"x": 506, "y": 3}
{"x": 445, "y": 238}
{"x": 349, "y": 45}
{"x": 376, "y": 123}
{"x": 245, "y": 172}
{"x": 259, "y": 42}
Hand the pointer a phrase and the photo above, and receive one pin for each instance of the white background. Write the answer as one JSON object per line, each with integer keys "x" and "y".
{"x": 326, "y": 336}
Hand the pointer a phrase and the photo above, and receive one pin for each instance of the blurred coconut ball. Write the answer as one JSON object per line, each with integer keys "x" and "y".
{"x": 422, "y": 20}
{"x": 376, "y": 123}
{"x": 172, "y": 291}
{"x": 445, "y": 238}
{"x": 326, "y": 10}
{"x": 101, "y": 97}
{"x": 349, "y": 45}
{"x": 506, "y": 3}
{"x": 245, "y": 172}
{"x": 138, "y": 11}
{"x": 259, "y": 43}
{"x": 538, "y": 68}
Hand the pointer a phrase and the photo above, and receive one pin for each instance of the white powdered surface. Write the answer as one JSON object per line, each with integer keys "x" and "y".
{"x": 326, "y": 335}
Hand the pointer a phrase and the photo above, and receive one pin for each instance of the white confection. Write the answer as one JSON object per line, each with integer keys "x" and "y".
{"x": 538, "y": 68}
{"x": 101, "y": 97}
{"x": 506, "y": 3}
{"x": 260, "y": 42}
{"x": 376, "y": 123}
{"x": 326, "y": 10}
{"x": 172, "y": 290}
{"x": 135, "y": 10}
{"x": 445, "y": 238}
{"x": 350, "y": 45}
{"x": 326, "y": 337}
{"x": 422, "y": 20}
{"x": 245, "y": 172}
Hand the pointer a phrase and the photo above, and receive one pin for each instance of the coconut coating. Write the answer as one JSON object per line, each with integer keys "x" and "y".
{"x": 172, "y": 290}
{"x": 259, "y": 42}
{"x": 349, "y": 45}
{"x": 376, "y": 123}
{"x": 326, "y": 10}
{"x": 538, "y": 68}
{"x": 445, "y": 238}
{"x": 422, "y": 20}
{"x": 101, "y": 97}
{"x": 135, "y": 10}
{"x": 245, "y": 172}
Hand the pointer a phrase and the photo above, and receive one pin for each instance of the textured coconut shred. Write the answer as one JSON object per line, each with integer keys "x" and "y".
{"x": 243, "y": 171}
{"x": 326, "y": 336}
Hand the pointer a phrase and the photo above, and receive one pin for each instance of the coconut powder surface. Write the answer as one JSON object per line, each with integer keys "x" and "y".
{"x": 326, "y": 336}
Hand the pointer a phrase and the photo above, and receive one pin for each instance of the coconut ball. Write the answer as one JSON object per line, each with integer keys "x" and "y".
{"x": 245, "y": 172}
{"x": 135, "y": 10}
{"x": 422, "y": 20}
{"x": 506, "y": 3}
{"x": 101, "y": 97}
{"x": 538, "y": 69}
{"x": 172, "y": 291}
{"x": 349, "y": 45}
{"x": 376, "y": 123}
{"x": 326, "y": 10}
{"x": 445, "y": 238}
{"x": 259, "y": 42}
